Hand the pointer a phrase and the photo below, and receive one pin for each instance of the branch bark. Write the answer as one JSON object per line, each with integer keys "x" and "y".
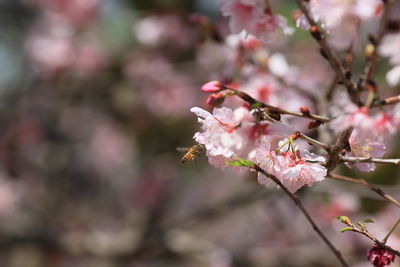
{"x": 369, "y": 159}
{"x": 374, "y": 188}
{"x": 298, "y": 203}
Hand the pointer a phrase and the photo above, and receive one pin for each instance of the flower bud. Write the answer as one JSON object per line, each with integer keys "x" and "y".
{"x": 348, "y": 57}
{"x": 316, "y": 33}
{"x": 213, "y": 87}
{"x": 215, "y": 99}
{"x": 305, "y": 111}
{"x": 369, "y": 50}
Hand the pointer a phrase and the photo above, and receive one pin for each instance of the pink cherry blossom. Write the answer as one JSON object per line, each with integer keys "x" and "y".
{"x": 294, "y": 170}
{"x": 377, "y": 126}
{"x": 220, "y": 135}
{"x": 346, "y": 114}
{"x": 362, "y": 146}
{"x": 253, "y": 17}
{"x": 228, "y": 134}
{"x": 390, "y": 48}
{"x": 297, "y": 171}
{"x": 385, "y": 125}
{"x": 393, "y": 76}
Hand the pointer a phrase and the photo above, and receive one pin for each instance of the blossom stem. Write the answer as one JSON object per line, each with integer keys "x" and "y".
{"x": 391, "y": 231}
{"x": 369, "y": 159}
{"x": 367, "y": 234}
{"x": 362, "y": 182}
{"x": 387, "y": 101}
{"x": 314, "y": 142}
{"x": 332, "y": 58}
{"x": 298, "y": 203}
{"x": 249, "y": 99}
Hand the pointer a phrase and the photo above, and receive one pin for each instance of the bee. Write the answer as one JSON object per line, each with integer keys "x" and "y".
{"x": 192, "y": 153}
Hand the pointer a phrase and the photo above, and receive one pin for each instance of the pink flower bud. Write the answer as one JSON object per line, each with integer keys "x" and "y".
{"x": 215, "y": 99}
{"x": 213, "y": 87}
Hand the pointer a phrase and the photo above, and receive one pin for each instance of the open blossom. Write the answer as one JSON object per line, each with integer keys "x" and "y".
{"x": 294, "y": 170}
{"x": 380, "y": 257}
{"x": 378, "y": 126}
{"x": 253, "y": 17}
{"x": 228, "y": 134}
{"x": 390, "y": 48}
{"x": 363, "y": 146}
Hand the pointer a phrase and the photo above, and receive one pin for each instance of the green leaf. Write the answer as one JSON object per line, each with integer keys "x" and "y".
{"x": 346, "y": 229}
{"x": 367, "y": 220}
{"x": 256, "y": 105}
{"x": 240, "y": 162}
{"x": 361, "y": 225}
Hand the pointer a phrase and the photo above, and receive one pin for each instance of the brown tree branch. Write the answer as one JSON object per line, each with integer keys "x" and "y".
{"x": 249, "y": 99}
{"x": 362, "y": 182}
{"x": 298, "y": 203}
{"x": 335, "y": 150}
{"x": 313, "y": 141}
{"x": 369, "y": 159}
{"x": 387, "y": 101}
{"x": 367, "y": 234}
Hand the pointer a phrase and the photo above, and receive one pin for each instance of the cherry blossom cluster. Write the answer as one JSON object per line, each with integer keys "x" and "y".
{"x": 254, "y": 17}
{"x": 243, "y": 129}
{"x": 266, "y": 108}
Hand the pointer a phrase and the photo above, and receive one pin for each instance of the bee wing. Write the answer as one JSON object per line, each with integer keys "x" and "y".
{"x": 182, "y": 149}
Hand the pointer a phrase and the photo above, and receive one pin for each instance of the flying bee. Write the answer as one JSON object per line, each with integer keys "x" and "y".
{"x": 192, "y": 153}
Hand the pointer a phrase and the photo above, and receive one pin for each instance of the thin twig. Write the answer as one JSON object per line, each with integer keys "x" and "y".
{"x": 369, "y": 159}
{"x": 331, "y": 56}
{"x": 314, "y": 141}
{"x": 298, "y": 203}
{"x": 249, "y": 99}
{"x": 387, "y": 101}
{"x": 391, "y": 231}
{"x": 362, "y": 182}
{"x": 367, "y": 234}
